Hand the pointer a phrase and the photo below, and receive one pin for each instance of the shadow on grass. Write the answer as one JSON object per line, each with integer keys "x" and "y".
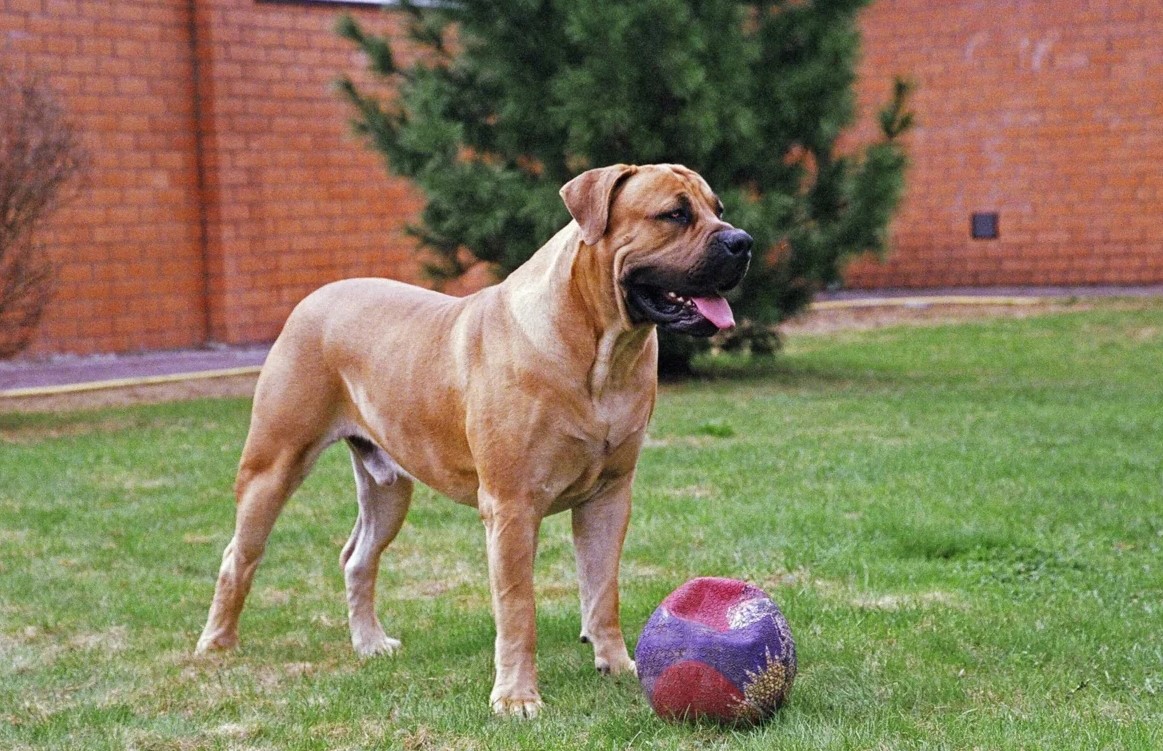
{"x": 778, "y": 369}
{"x": 1001, "y": 556}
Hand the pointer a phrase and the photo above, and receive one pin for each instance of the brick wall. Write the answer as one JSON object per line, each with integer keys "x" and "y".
{"x": 177, "y": 241}
{"x": 1049, "y": 113}
{"x": 296, "y": 201}
{"x": 128, "y": 246}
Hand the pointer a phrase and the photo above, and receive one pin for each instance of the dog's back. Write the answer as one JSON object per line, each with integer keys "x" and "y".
{"x": 372, "y": 359}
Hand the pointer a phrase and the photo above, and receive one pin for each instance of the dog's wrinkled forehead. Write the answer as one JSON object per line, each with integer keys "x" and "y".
{"x": 655, "y": 187}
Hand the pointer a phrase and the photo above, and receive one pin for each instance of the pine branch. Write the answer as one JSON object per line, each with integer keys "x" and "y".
{"x": 379, "y": 53}
{"x": 895, "y": 118}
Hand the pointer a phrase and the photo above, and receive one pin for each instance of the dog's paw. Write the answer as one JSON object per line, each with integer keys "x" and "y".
{"x": 616, "y": 667}
{"x": 216, "y": 643}
{"x": 370, "y": 645}
{"x": 524, "y": 709}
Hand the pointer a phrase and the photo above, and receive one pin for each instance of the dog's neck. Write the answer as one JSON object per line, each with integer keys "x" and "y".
{"x": 602, "y": 330}
{"x": 618, "y": 352}
{"x": 619, "y": 345}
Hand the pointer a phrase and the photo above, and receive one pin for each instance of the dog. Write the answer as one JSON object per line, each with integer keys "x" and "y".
{"x": 524, "y": 399}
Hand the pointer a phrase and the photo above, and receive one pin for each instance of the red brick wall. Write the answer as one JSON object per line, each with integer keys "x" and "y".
{"x": 296, "y": 200}
{"x": 1048, "y": 112}
{"x": 128, "y": 246}
{"x": 157, "y": 252}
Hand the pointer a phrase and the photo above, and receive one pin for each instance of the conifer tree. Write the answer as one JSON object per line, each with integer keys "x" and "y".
{"x": 512, "y": 98}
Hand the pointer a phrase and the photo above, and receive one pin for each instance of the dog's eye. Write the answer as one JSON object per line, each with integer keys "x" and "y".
{"x": 681, "y": 215}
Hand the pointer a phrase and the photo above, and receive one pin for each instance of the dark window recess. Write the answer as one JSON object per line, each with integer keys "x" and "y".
{"x": 983, "y": 225}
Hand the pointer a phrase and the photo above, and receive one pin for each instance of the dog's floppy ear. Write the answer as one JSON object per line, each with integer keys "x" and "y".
{"x": 589, "y": 195}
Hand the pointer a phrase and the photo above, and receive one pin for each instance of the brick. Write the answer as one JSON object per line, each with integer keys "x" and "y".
{"x": 1067, "y": 149}
{"x": 1078, "y": 133}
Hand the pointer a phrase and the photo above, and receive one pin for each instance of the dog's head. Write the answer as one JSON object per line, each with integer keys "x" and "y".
{"x": 660, "y": 228}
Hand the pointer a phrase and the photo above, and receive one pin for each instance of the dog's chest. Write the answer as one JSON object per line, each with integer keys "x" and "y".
{"x": 617, "y": 417}
{"x": 612, "y": 439}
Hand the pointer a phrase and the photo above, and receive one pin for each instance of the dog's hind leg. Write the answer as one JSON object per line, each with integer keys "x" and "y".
{"x": 268, "y": 474}
{"x": 385, "y": 493}
{"x": 261, "y": 490}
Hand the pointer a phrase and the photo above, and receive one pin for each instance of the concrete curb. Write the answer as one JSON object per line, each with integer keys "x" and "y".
{"x": 120, "y": 383}
{"x": 924, "y": 301}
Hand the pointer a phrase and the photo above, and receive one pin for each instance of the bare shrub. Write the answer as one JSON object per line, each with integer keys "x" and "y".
{"x": 40, "y": 155}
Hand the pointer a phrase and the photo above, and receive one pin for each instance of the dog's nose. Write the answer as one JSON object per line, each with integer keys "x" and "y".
{"x": 736, "y": 241}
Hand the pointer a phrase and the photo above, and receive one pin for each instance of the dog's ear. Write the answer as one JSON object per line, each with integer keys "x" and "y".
{"x": 589, "y": 195}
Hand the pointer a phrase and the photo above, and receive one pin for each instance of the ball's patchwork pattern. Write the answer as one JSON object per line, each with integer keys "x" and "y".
{"x": 717, "y": 649}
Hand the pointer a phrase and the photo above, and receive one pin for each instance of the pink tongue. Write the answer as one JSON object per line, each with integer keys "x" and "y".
{"x": 716, "y": 310}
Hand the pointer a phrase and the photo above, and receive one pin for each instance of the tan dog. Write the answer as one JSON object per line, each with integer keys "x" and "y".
{"x": 525, "y": 399}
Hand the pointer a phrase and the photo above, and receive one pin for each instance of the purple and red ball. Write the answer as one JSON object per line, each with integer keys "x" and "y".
{"x": 717, "y": 649}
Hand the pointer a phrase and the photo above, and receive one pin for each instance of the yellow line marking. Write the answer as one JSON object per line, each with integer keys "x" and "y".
{"x": 120, "y": 383}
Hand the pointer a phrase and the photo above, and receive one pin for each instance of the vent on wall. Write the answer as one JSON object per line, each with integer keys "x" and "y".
{"x": 983, "y": 225}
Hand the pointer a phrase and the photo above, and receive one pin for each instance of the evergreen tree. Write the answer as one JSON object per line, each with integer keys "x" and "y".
{"x": 515, "y": 97}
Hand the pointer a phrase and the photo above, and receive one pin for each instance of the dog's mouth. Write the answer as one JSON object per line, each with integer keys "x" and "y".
{"x": 681, "y": 309}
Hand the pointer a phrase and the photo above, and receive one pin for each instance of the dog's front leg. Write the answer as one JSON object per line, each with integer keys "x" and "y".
{"x": 599, "y": 529}
{"x": 511, "y": 527}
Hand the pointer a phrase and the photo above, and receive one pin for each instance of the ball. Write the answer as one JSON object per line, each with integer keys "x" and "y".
{"x": 716, "y": 649}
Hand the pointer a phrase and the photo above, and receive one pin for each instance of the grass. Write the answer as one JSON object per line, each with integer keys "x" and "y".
{"x": 963, "y": 525}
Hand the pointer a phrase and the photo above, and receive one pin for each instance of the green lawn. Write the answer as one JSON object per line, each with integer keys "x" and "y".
{"x": 963, "y": 525}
